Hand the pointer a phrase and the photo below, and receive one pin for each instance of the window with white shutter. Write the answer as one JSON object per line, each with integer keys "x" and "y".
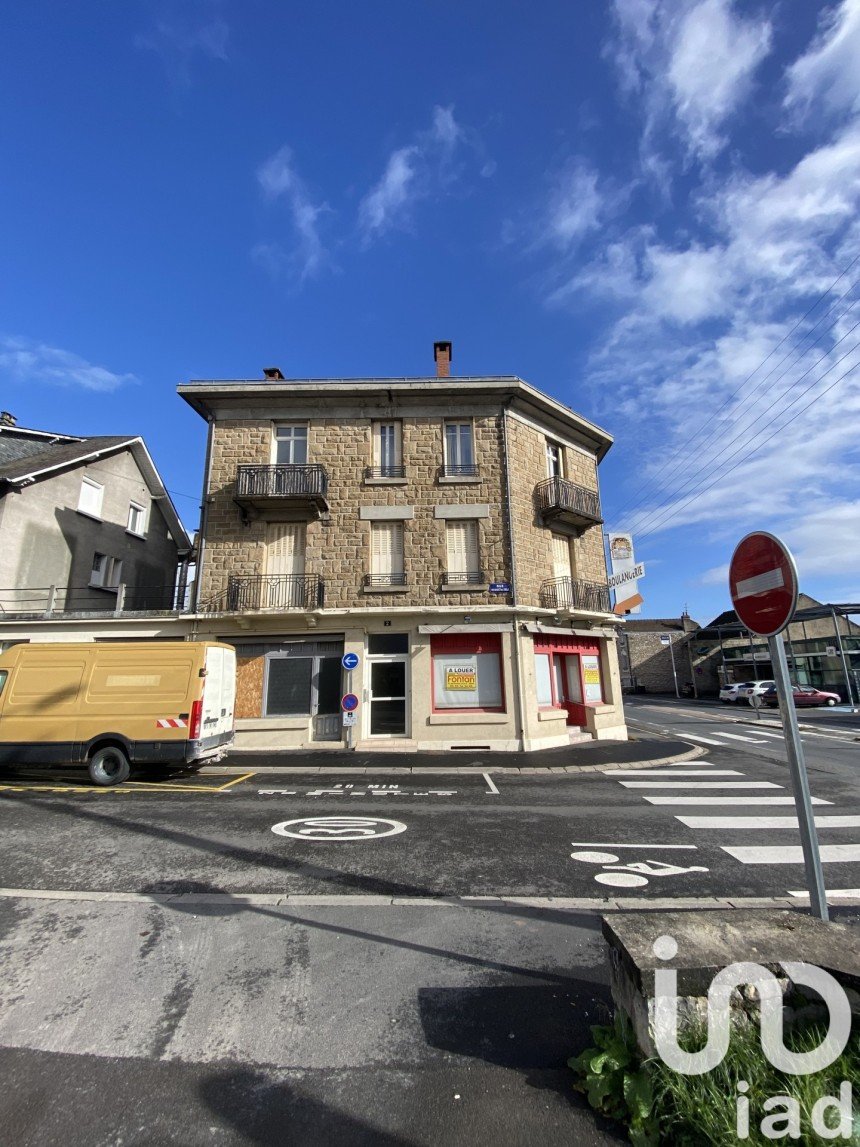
{"x": 90, "y": 498}
{"x": 386, "y": 553}
{"x": 463, "y": 557}
{"x": 285, "y": 549}
{"x": 560, "y": 556}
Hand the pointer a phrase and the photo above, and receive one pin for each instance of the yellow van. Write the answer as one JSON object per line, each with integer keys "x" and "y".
{"x": 110, "y": 705}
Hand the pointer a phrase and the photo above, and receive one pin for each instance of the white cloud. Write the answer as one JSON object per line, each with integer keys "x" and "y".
{"x": 576, "y": 205}
{"x": 688, "y": 65}
{"x": 829, "y": 73}
{"x": 278, "y": 179}
{"x": 425, "y": 168}
{"x": 23, "y": 361}
{"x": 179, "y": 40}
{"x": 712, "y": 61}
{"x": 385, "y": 204}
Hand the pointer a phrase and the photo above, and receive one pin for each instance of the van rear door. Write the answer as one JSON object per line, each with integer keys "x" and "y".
{"x": 219, "y": 691}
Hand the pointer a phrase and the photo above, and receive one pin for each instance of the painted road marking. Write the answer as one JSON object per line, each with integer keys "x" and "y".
{"x": 621, "y": 879}
{"x": 832, "y": 893}
{"x": 492, "y": 788}
{"x": 633, "y": 874}
{"x": 703, "y": 771}
{"x": 696, "y": 785}
{"x": 757, "y": 822}
{"x": 338, "y": 828}
{"x": 612, "y": 844}
{"x": 704, "y": 740}
{"x": 749, "y": 802}
{"x": 780, "y": 854}
{"x": 359, "y": 790}
{"x": 738, "y": 737}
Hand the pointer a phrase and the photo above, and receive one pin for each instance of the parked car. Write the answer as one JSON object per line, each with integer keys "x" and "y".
{"x": 752, "y": 694}
{"x": 804, "y": 695}
{"x": 729, "y": 694}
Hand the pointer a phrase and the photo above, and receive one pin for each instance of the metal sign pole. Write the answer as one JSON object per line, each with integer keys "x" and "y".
{"x": 349, "y": 728}
{"x": 799, "y": 781}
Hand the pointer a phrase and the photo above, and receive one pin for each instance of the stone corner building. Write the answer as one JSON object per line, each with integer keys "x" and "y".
{"x": 445, "y": 530}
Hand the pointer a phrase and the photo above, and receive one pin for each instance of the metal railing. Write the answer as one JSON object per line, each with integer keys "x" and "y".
{"x": 57, "y": 600}
{"x": 281, "y": 481}
{"x": 372, "y": 472}
{"x": 460, "y": 471}
{"x": 569, "y": 593}
{"x": 557, "y": 494}
{"x": 457, "y": 577}
{"x": 385, "y": 579}
{"x": 247, "y": 593}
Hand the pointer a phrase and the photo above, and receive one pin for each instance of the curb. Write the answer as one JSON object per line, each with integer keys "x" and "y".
{"x": 461, "y": 770}
{"x": 336, "y": 900}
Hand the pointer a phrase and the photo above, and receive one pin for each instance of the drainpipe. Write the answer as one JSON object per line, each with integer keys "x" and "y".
{"x": 204, "y": 521}
{"x": 518, "y": 676}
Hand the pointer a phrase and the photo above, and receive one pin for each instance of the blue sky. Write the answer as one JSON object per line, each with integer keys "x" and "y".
{"x": 631, "y": 205}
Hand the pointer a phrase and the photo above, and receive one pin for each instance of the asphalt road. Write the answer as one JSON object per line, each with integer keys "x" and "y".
{"x": 176, "y": 972}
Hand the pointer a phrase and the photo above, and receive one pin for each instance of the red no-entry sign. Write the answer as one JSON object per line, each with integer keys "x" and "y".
{"x": 763, "y": 583}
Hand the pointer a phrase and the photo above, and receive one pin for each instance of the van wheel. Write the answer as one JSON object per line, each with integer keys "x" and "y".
{"x": 109, "y": 766}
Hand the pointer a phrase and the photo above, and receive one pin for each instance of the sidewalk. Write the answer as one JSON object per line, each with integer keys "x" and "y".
{"x": 588, "y": 757}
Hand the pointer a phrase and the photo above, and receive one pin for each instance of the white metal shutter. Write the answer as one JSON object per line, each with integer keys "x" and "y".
{"x": 560, "y": 556}
{"x": 462, "y": 547}
{"x": 386, "y": 548}
{"x": 285, "y": 548}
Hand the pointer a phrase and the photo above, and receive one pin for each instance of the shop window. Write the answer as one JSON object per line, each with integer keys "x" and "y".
{"x": 467, "y": 672}
{"x": 288, "y": 686}
{"x": 542, "y": 679}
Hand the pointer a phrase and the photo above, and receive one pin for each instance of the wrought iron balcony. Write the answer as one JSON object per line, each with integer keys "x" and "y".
{"x": 375, "y": 580}
{"x": 377, "y": 473}
{"x": 245, "y": 594}
{"x": 465, "y": 578}
{"x": 268, "y": 487}
{"x": 469, "y": 470}
{"x": 569, "y": 593}
{"x": 567, "y": 507}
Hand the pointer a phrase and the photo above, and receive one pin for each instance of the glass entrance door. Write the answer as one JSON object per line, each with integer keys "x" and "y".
{"x": 388, "y": 695}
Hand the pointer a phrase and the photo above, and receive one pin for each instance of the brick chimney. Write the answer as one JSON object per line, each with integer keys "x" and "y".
{"x": 7, "y": 419}
{"x": 442, "y": 354}
{"x": 273, "y": 373}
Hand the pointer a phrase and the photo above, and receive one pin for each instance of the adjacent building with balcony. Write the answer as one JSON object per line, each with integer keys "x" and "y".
{"x": 445, "y": 530}
{"x": 87, "y": 530}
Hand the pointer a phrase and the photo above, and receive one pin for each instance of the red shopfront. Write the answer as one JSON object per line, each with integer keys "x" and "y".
{"x": 568, "y": 674}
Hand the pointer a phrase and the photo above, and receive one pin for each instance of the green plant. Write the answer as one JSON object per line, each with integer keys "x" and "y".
{"x": 616, "y": 1082}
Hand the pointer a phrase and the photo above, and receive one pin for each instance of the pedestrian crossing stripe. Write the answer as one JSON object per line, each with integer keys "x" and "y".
{"x": 759, "y": 822}
{"x": 780, "y": 854}
{"x": 748, "y": 801}
{"x": 695, "y": 785}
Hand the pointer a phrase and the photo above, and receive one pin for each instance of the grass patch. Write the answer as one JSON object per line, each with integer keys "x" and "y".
{"x": 660, "y": 1106}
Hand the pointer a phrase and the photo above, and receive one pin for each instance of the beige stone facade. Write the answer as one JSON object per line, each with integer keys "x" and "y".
{"x": 479, "y": 642}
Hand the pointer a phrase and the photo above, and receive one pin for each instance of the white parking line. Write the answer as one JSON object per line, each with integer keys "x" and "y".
{"x": 757, "y": 822}
{"x": 490, "y": 786}
{"x": 748, "y": 802}
{"x": 604, "y": 844}
{"x": 695, "y": 785}
{"x": 780, "y": 854}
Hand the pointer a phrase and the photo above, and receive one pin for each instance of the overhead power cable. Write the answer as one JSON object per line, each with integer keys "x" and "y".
{"x": 644, "y": 493}
{"x": 742, "y": 430}
{"x": 698, "y": 493}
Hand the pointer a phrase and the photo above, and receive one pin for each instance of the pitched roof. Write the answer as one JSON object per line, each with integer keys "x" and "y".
{"x": 54, "y": 457}
{"x": 61, "y": 456}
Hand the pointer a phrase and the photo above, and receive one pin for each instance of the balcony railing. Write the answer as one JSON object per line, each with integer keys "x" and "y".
{"x": 564, "y": 503}
{"x": 456, "y": 577}
{"x": 469, "y": 470}
{"x": 268, "y": 591}
{"x": 385, "y": 579}
{"x": 31, "y": 603}
{"x": 569, "y": 593}
{"x": 282, "y": 482}
{"x": 373, "y": 473}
